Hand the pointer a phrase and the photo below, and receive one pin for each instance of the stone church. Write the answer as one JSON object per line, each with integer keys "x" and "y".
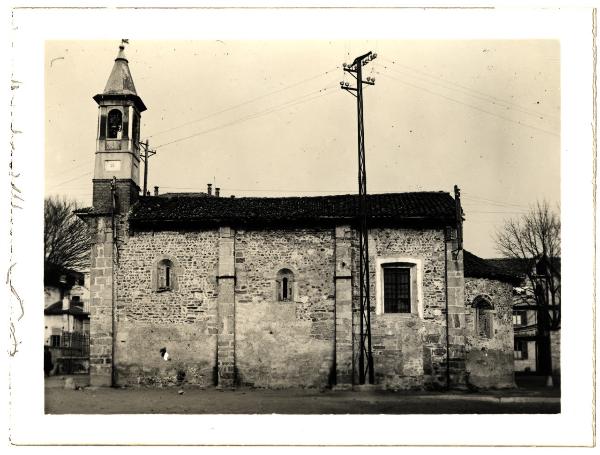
{"x": 263, "y": 292}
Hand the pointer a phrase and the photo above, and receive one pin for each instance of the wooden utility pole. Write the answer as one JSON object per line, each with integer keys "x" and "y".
{"x": 147, "y": 154}
{"x": 355, "y": 69}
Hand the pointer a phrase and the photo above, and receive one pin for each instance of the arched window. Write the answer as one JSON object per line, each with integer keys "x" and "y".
{"x": 285, "y": 285}
{"x": 136, "y": 128}
{"x": 483, "y": 316}
{"x": 165, "y": 275}
{"x": 115, "y": 124}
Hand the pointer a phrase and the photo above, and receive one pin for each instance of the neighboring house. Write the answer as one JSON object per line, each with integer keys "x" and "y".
{"x": 535, "y": 349}
{"x": 490, "y": 338}
{"x": 66, "y": 316}
{"x": 264, "y": 292}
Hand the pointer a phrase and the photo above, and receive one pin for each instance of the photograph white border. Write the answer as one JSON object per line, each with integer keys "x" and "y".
{"x": 32, "y": 27}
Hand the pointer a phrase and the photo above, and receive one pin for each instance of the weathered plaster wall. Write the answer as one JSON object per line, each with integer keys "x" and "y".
{"x": 409, "y": 351}
{"x": 490, "y": 362}
{"x": 182, "y": 320}
{"x": 291, "y": 343}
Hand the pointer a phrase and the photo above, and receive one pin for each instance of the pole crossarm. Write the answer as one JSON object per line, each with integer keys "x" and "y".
{"x": 365, "y": 360}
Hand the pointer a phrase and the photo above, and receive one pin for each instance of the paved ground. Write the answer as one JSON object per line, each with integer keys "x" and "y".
{"x": 88, "y": 400}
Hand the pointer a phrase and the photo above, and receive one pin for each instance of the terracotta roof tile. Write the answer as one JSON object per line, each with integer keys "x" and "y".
{"x": 476, "y": 267}
{"x": 421, "y": 206}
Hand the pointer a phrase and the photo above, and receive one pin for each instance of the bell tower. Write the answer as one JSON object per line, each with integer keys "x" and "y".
{"x": 118, "y": 140}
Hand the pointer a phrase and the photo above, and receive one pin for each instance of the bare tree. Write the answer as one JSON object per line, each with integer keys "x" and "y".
{"x": 534, "y": 240}
{"x": 66, "y": 237}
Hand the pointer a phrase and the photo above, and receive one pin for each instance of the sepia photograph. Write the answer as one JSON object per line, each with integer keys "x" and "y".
{"x": 300, "y": 226}
{"x": 226, "y": 238}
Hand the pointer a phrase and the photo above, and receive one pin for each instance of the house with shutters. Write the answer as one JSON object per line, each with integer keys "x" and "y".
{"x": 263, "y": 292}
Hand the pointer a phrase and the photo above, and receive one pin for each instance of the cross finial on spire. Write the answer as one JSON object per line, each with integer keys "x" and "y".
{"x": 121, "y": 55}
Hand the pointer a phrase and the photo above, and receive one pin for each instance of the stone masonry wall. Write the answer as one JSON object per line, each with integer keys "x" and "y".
{"x": 265, "y": 342}
{"x": 289, "y": 343}
{"x": 408, "y": 351}
{"x": 490, "y": 361}
{"x": 101, "y": 291}
{"x": 182, "y": 320}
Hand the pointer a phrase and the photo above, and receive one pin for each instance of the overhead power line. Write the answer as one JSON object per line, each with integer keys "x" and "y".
{"x": 465, "y": 88}
{"x": 300, "y": 100}
{"x": 493, "y": 201}
{"x": 63, "y": 171}
{"x": 516, "y": 122}
{"x": 245, "y": 102}
{"x": 71, "y": 180}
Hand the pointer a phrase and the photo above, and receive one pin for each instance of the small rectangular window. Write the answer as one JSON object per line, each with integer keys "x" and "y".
{"x": 520, "y": 351}
{"x": 520, "y": 318}
{"x": 55, "y": 341}
{"x": 396, "y": 290}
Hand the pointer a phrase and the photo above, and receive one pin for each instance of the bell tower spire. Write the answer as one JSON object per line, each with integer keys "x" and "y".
{"x": 118, "y": 139}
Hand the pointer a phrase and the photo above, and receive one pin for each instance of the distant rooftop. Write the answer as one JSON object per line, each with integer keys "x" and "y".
{"x": 476, "y": 267}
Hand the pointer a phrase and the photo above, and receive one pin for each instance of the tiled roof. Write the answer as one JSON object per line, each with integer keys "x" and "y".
{"x": 56, "y": 309}
{"x": 521, "y": 265}
{"x": 517, "y": 266}
{"x": 437, "y": 207}
{"x": 476, "y": 267}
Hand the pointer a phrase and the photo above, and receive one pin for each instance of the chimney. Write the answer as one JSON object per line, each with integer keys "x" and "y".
{"x": 147, "y": 193}
{"x": 66, "y": 302}
{"x": 217, "y": 192}
{"x": 232, "y": 196}
{"x": 209, "y": 189}
{"x": 156, "y": 191}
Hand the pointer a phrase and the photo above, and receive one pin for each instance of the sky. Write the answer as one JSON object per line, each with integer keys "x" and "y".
{"x": 268, "y": 118}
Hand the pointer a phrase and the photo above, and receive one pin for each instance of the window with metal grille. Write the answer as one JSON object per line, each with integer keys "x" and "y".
{"x": 396, "y": 289}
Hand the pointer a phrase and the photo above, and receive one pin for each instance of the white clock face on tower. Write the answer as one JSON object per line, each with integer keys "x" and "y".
{"x": 112, "y": 165}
